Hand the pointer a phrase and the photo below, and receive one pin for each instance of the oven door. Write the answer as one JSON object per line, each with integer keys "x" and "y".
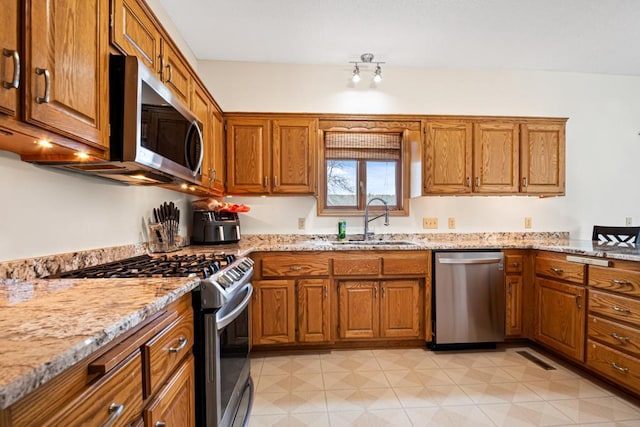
{"x": 228, "y": 384}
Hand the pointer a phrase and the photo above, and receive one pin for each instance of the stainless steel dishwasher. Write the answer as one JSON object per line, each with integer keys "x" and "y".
{"x": 469, "y": 299}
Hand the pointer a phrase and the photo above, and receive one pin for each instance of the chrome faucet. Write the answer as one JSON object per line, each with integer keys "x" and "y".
{"x": 366, "y": 216}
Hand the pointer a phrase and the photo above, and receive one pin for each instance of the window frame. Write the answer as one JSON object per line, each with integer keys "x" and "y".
{"x": 402, "y": 177}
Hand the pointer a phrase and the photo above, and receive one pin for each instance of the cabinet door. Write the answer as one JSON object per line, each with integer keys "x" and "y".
{"x": 313, "y": 310}
{"x": 67, "y": 72}
{"x": 496, "y": 157}
{"x": 359, "y": 309}
{"x": 560, "y": 322}
{"x": 400, "y": 308}
{"x": 293, "y": 156}
{"x": 543, "y": 158}
{"x": 448, "y": 163}
{"x": 175, "y": 404}
{"x": 10, "y": 57}
{"x": 175, "y": 73}
{"x": 248, "y": 156}
{"x": 218, "y": 161}
{"x": 201, "y": 108}
{"x": 134, "y": 32}
{"x": 273, "y": 312}
{"x": 514, "y": 305}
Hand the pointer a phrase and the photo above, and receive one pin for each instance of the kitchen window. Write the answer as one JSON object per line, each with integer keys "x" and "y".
{"x": 358, "y": 166}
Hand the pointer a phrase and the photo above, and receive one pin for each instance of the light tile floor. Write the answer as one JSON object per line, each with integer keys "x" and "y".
{"x": 416, "y": 387}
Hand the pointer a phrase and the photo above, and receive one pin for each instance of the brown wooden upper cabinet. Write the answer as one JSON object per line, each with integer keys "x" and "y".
{"x": 135, "y": 31}
{"x": 205, "y": 109}
{"x": 464, "y": 156}
{"x": 55, "y": 89}
{"x": 271, "y": 156}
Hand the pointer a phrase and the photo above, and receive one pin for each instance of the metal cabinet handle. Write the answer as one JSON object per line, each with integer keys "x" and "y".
{"x": 516, "y": 264}
{"x": 15, "y": 83}
{"x": 183, "y": 343}
{"x": 265, "y": 181}
{"x": 510, "y": 288}
{"x": 525, "y": 183}
{"x": 326, "y": 292}
{"x": 578, "y": 297}
{"x": 618, "y": 367}
{"x": 295, "y": 268}
{"x": 557, "y": 270}
{"x": 375, "y": 292}
{"x": 469, "y": 182}
{"x": 384, "y": 292}
{"x": 47, "y": 86}
{"x": 169, "y": 68}
{"x": 477, "y": 181}
{"x": 275, "y": 180}
{"x": 619, "y": 338}
{"x": 621, "y": 309}
{"x": 160, "y": 424}
{"x": 620, "y": 282}
{"x": 115, "y": 410}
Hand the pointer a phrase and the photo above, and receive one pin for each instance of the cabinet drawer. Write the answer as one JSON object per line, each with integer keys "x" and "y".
{"x": 615, "y": 335}
{"x": 354, "y": 265}
{"x": 622, "y": 369}
{"x": 513, "y": 263}
{"x": 405, "y": 264}
{"x": 165, "y": 351}
{"x": 117, "y": 397}
{"x": 294, "y": 265}
{"x": 617, "y": 307}
{"x": 560, "y": 269}
{"x": 615, "y": 279}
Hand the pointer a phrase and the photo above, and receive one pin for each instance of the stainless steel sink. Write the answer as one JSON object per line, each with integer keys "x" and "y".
{"x": 374, "y": 243}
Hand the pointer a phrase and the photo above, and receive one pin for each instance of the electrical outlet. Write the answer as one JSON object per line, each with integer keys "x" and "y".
{"x": 452, "y": 223}
{"x": 527, "y": 222}
{"x": 627, "y": 221}
{"x": 301, "y": 223}
{"x": 429, "y": 222}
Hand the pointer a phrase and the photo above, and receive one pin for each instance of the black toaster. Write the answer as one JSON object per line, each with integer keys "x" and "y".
{"x": 215, "y": 227}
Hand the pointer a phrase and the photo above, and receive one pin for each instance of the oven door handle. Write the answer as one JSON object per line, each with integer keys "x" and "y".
{"x": 230, "y": 317}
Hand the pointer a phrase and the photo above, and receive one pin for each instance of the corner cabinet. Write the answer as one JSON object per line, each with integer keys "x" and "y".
{"x": 561, "y": 304}
{"x": 271, "y": 156}
{"x": 476, "y": 155}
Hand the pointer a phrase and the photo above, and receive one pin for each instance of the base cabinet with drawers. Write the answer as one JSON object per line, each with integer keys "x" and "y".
{"x": 613, "y": 328}
{"x": 144, "y": 378}
{"x": 332, "y": 298}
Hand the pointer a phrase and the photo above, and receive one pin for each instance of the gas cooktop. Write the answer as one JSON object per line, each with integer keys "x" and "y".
{"x": 201, "y": 265}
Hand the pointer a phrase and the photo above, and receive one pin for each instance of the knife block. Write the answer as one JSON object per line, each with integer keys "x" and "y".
{"x": 161, "y": 240}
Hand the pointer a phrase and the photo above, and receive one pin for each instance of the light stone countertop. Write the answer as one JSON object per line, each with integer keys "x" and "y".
{"x": 47, "y": 325}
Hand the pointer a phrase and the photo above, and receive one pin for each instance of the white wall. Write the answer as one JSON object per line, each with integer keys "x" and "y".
{"x": 603, "y": 146}
{"x": 46, "y": 211}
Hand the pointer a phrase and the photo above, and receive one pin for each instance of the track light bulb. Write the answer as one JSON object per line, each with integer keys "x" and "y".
{"x": 377, "y": 77}
{"x": 356, "y": 74}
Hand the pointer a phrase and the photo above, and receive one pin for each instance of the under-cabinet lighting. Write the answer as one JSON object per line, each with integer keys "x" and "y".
{"x": 44, "y": 143}
{"x": 82, "y": 155}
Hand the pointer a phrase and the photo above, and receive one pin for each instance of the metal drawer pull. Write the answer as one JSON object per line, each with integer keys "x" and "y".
{"x": 15, "y": 83}
{"x": 557, "y": 270}
{"x": 160, "y": 424}
{"x": 619, "y": 338}
{"x": 516, "y": 264}
{"x": 183, "y": 343}
{"x": 115, "y": 410}
{"x": 47, "y": 86}
{"x": 619, "y": 368}
{"x": 621, "y": 309}
{"x": 620, "y": 282}
{"x": 295, "y": 268}
{"x": 578, "y": 301}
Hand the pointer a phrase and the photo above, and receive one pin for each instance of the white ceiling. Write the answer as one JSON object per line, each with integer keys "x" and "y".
{"x": 593, "y": 36}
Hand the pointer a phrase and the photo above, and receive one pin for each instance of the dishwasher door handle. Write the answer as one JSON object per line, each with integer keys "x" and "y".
{"x": 470, "y": 260}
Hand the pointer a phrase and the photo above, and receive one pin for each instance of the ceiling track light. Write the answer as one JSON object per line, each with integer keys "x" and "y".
{"x": 365, "y": 60}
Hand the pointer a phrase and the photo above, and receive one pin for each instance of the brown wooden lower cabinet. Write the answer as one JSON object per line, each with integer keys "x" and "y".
{"x": 561, "y": 317}
{"x": 273, "y": 312}
{"x": 379, "y": 309}
{"x": 175, "y": 402}
{"x": 313, "y": 310}
{"x": 514, "y": 291}
{"x": 621, "y": 368}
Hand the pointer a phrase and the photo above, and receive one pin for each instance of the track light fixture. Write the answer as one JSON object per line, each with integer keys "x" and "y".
{"x": 365, "y": 60}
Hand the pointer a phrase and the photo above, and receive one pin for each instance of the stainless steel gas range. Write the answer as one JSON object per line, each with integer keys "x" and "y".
{"x": 224, "y": 390}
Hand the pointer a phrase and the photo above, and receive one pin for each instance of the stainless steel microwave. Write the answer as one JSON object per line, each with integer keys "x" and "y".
{"x": 154, "y": 137}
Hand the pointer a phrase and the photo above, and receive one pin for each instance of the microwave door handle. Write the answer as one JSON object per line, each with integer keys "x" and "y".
{"x": 187, "y": 146}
